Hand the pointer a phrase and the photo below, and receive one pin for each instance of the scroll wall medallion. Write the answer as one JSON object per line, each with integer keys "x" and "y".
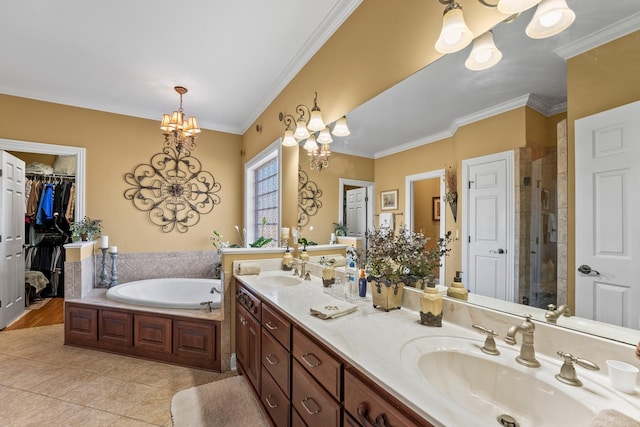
{"x": 308, "y": 198}
{"x": 173, "y": 189}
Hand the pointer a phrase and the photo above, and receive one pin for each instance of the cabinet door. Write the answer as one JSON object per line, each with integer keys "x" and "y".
{"x": 248, "y": 345}
{"x": 116, "y": 329}
{"x": 196, "y": 342}
{"x": 152, "y": 333}
{"x": 81, "y": 325}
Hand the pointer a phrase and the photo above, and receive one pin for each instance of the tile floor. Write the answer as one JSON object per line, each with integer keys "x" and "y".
{"x": 45, "y": 383}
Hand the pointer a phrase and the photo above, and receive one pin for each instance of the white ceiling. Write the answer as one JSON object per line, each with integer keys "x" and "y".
{"x": 125, "y": 56}
{"x": 236, "y": 56}
{"x": 432, "y": 103}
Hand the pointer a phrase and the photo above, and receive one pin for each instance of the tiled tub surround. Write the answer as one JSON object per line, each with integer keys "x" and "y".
{"x": 373, "y": 340}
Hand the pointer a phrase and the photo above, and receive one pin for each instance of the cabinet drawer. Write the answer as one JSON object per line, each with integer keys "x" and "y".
{"x": 318, "y": 362}
{"x": 277, "y": 326}
{"x": 296, "y": 419}
{"x": 363, "y": 402}
{"x": 314, "y": 405}
{"x": 250, "y": 302}
{"x": 274, "y": 400}
{"x": 276, "y": 361}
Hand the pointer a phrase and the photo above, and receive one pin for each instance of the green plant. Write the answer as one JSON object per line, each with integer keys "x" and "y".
{"x": 340, "y": 229}
{"x": 261, "y": 241}
{"x": 87, "y": 229}
{"x": 395, "y": 255}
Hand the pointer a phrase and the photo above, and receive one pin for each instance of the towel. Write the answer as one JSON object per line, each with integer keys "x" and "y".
{"x": 386, "y": 220}
{"x": 339, "y": 260}
{"x": 332, "y": 309}
{"x": 246, "y": 268}
{"x": 611, "y": 417}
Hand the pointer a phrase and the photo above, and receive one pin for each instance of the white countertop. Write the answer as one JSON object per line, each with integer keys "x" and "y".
{"x": 373, "y": 341}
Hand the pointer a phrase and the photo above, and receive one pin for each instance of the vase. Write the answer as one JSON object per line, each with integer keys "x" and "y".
{"x": 385, "y": 293}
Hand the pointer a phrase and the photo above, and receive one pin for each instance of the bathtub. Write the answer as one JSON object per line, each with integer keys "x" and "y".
{"x": 168, "y": 293}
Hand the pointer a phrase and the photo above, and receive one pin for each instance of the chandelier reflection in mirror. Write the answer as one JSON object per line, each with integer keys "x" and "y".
{"x": 311, "y": 127}
{"x": 173, "y": 189}
{"x": 179, "y": 132}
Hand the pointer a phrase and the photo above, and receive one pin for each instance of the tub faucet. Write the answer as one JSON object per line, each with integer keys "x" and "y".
{"x": 208, "y": 304}
{"x": 552, "y": 313}
{"x": 527, "y": 355}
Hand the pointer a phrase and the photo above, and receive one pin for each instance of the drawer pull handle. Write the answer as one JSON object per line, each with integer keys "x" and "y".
{"x": 271, "y": 405}
{"x": 363, "y": 411}
{"x": 309, "y": 362}
{"x": 271, "y": 362}
{"x": 271, "y": 326}
{"x": 304, "y": 404}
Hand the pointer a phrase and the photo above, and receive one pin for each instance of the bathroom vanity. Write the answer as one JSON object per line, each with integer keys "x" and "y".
{"x": 373, "y": 368}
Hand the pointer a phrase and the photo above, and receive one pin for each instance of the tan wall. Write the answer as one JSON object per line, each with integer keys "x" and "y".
{"x": 601, "y": 79}
{"x": 115, "y": 145}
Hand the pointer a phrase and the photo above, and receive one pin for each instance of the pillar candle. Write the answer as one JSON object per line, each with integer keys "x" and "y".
{"x": 113, "y": 249}
{"x": 285, "y": 232}
{"x": 104, "y": 242}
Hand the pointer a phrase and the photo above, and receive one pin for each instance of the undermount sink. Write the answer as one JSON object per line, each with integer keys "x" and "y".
{"x": 279, "y": 280}
{"x": 485, "y": 388}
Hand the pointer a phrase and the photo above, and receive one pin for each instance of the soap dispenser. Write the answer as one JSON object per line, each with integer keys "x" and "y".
{"x": 287, "y": 260}
{"x": 328, "y": 273}
{"x": 431, "y": 306}
{"x": 457, "y": 289}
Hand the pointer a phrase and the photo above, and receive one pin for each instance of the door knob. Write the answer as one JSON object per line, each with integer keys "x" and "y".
{"x": 585, "y": 269}
{"x": 499, "y": 251}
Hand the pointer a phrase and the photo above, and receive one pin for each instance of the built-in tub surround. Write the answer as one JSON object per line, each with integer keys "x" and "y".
{"x": 374, "y": 341}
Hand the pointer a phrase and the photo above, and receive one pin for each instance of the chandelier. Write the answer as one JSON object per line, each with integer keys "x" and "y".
{"x": 179, "y": 132}
{"x": 310, "y": 126}
{"x": 550, "y": 18}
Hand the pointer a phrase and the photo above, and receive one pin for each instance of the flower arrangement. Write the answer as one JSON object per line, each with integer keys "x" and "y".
{"x": 218, "y": 241}
{"x": 86, "y": 230}
{"x": 402, "y": 255}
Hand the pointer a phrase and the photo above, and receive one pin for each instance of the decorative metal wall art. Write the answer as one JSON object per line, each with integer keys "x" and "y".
{"x": 308, "y": 198}
{"x": 173, "y": 189}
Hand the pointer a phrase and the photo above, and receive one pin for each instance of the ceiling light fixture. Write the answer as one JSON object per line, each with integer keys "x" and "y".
{"x": 311, "y": 127}
{"x": 179, "y": 132}
{"x": 551, "y": 17}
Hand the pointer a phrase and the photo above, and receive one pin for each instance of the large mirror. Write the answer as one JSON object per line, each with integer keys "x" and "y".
{"x": 446, "y": 115}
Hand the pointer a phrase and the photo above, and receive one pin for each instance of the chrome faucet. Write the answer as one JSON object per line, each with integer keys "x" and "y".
{"x": 552, "y": 313}
{"x": 527, "y": 355}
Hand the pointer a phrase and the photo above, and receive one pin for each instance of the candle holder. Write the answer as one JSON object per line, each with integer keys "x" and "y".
{"x": 114, "y": 269}
{"x": 104, "y": 281}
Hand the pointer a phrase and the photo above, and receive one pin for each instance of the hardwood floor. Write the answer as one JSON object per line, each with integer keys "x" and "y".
{"x": 52, "y": 313}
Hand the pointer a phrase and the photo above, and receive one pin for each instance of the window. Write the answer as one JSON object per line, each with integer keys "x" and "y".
{"x": 262, "y": 195}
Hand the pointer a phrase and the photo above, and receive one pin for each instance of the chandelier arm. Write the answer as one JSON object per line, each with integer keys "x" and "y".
{"x": 302, "y": 109}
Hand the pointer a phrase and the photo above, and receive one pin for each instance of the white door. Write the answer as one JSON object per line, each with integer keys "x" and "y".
{"x": 12, "y": 209}
{"x": 488, "y": 225}
{"x": 607, "y": 212}
{"x": 357, "y": 212}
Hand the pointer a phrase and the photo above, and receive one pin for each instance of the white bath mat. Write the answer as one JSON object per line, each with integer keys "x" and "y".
{"x": 229, "y": 403}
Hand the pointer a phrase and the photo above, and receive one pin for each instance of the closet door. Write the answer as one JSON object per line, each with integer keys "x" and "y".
{"x": 11, "y": 238}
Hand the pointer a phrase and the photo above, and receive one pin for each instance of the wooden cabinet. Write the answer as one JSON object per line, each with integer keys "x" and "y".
{"x": 181, "y": 340}
{"x": 300, "y": 381}
{"x": 248, "y": 345}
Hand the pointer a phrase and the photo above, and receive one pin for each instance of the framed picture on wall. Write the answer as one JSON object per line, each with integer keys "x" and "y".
{"x": 389, "y": 200}
{"x": 435, "y": 206}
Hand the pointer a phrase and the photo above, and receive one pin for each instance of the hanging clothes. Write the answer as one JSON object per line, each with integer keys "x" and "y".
{"x": 45, "y": 207}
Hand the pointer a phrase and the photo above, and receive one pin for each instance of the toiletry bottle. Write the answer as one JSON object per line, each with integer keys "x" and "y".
{"x": 351, "y": 275}
{"x": 431, "y": 306}
{"x": 287, "y": 259}
{"x": 304, "y": 255}
{"x": 328, "y": 273}
{"x": 362, "y": 284}
{"x": 457, "y": 289}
